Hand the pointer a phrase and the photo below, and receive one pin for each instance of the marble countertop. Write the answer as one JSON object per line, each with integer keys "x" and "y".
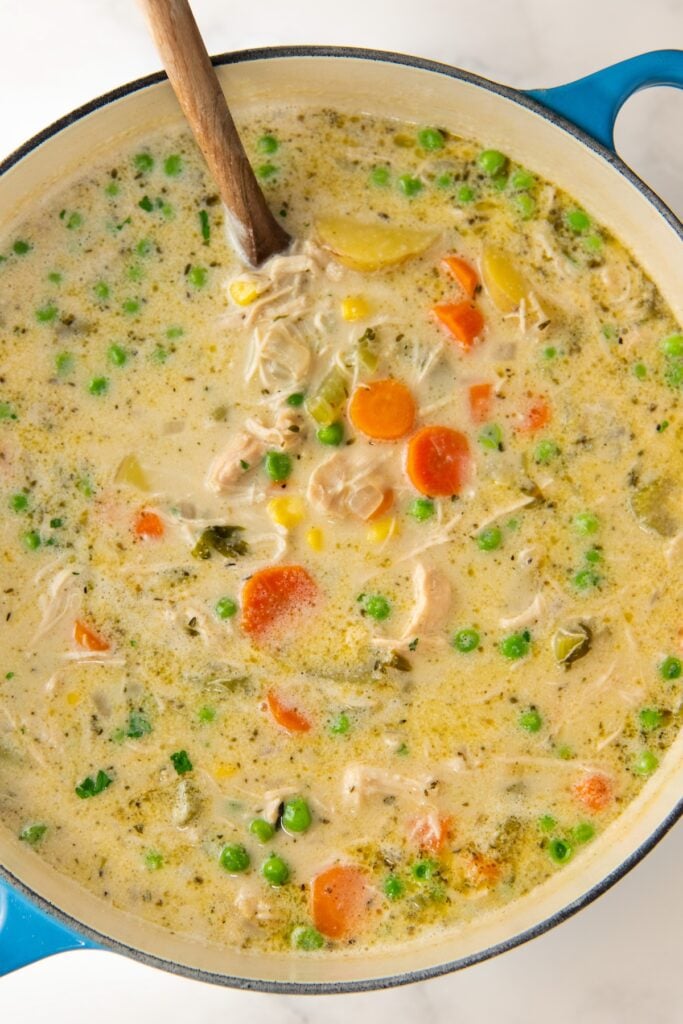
{"x": 619, "y": 961}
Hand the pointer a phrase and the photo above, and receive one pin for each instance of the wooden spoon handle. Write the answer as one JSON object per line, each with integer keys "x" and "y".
{"x": 199, "y": 93}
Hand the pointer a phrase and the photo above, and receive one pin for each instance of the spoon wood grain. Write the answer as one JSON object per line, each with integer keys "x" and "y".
{"x": 199, "y": 93}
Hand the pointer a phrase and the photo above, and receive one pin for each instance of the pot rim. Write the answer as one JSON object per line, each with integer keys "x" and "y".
{"x": 97, "y": 939}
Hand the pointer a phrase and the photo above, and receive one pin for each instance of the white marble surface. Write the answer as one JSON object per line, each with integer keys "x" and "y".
{"x": 619, "y": 962}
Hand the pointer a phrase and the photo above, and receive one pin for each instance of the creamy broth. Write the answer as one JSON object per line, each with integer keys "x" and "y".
{"x": 283, "y": 667}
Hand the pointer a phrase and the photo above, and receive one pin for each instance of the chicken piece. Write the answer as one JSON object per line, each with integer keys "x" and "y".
{"x": 350, "y": 482}
{"x": 251, "y": 906}
{"x": 433, "y": 596}
{"x": 286, "y": 433}
{"x": 187, "y": 803}
{"x": 280, "y": 356}
{"x": 272, "y": 801}
{"x": 248, "y": 448}
{"x": 362, "y": 781}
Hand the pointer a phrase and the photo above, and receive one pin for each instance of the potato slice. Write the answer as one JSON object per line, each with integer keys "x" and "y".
{"x": 502, "y": 280}
{"x": 371, "y": 246}
{"x": 658, "y": 507}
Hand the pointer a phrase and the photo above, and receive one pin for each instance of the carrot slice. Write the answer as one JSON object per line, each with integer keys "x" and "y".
{"x": 290, "y": 718}
{"x": 482, "y": 872}
{"x": 382, "y": 409}
{"x": 272, "y": 596}
{"x": 383, "y": 507}
{"x": 148, "y": 524}
{"x": 438, "y": 461}
{"x": 432, "y": 832}
{"x": 464, "y": 274}
{"x": 87, "y": 638}
{"x": 339, "y": 900}
{"x": 462, "y": 319}
{"x": 481, "y": 402}
{"x": 593, "y": 791}
{"x": 537, "y": 415}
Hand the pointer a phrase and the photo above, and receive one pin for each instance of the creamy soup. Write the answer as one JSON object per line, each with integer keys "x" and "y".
{"x": 340, "y": 599}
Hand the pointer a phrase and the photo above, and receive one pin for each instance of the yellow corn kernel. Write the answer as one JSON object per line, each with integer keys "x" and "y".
{"x": 355, "y": 307}
{"x": 287, "y": 511}
{"x": 314, "y": 538}
{"x": 223, "y": 770}
{"x": 243, "y": 293}
{"x": 73, "y": 698}
{"x": 382, "y": 530}
{"x": 130, "y": 472}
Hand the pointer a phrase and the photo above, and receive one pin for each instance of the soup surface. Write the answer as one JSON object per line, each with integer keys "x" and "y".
{"x": 341, "y": 599}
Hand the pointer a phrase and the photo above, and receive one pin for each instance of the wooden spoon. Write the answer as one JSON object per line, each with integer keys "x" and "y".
{"x": 199, "y": 93}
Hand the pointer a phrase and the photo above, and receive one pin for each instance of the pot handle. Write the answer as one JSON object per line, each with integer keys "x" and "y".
{"x": 592, "y": 103}
{"x": 27, "y": 934}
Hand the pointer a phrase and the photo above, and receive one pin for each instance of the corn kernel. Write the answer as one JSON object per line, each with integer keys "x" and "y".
{"x": 354, "y": 307}
{"x": 314, "y": 538}
{"x": 287, "y": 511}
{"x": 223, "y": 770}
{"x": 382, "y": 530}
{"x": 130, "y": 472}
{"x": 243, "y": 293}
{"x": 73, "y": 698}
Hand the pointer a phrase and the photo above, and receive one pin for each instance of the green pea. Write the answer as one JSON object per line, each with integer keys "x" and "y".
{"x": 409, "y": 185}
{"x": 586, "y": 523}
{"x": 296, "y": 815}
{"x": 530, "y": 720}
{"x": 262, "y": 829}
{"x": 583, "y": 832}
{"x": 465, "y": 194}
{"x": 154, "y": 861}
{"x": 525, "y": 205}
{"x": 112, "y": 189}
{"x": 594, "y": 555}
{"x": 198, "y": 276}
{"x": 650, "y": 718}
{"x": 117, "y": 355}
{"x": 296, "y": 399}
{"x": 640, "y": 371}
{"x": 521, "y": 179}
{"x": 672, "y": 346}
{"x": 491, "y": 437}
{"x": 444, "y": 180}
{"x": 515, "y": 646}
{"x": 74, "y": 221}
{"x": 674, "y": 375}
{"x": 98, "y": 385}
{"x": 54, "y": 277}
{"x": 340, "y": 725}
{"x": 206, "y": 715}
{"x": 101, "y": 291}
{"x": 266, "y": 171}
{"x": 18, "y": 502}
{"x": 393, "y": 887}
{"x": 173, "y": 165}
{"x": 671, "y": 668}
{"x": 586, "y": 579}
{"x": 144, "y": 162}
{"x": 278, "y": 466}
{"x": 234, "y": 858}
{"x": 172, "y": 333}
{"x": 333, "y": 434}
{"x": 424, "y": 870}
{"x": 275, "y": 870}
{"x": 466, "y": 640}
{"x": 46, "y": 314}
{"x": 545, "y": 452}
{"x": 492, "y": 162}
{"x": 268, "y": 144}
{"x": 225, "y": 608}
{"x": 489, "y": 539}
{"x": 20, "y": 248}
{"x": 592, "y": 243}
{"x": 31, "y": 540}
{"x": 550, "y": 352}
{"x": 430, "y": 138}
{"x": 307, "y": 938}
{"x": 422, "y": 509}
{"x": 380, "y": 176}
{"x": 547, "y": 823}
{"x": 131, "y": 306}
{"x": 499, "y": 181}
{"x": 577, "y": 221}
{"x": 376, "y": 606}
{"x": 645, "y": 763}
{"x": 560, "y": 851}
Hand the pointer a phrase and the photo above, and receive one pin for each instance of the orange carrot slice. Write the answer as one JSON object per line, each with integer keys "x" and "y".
{"x": 290, "y": 718}
{"x": 384, "y": 506}
{"x": 274, "y": 595}
{"x": 593, "y": 791}
{"x": 438, "y": 461}
{"x": 432, "y": 832}
{"x": 382, "y": 409}
{"x": 537, "y": 415}
{"x": 87, "y": 638}
{"x": 148, "y": 524}
{"x": 464, "y": 274}
{"x": 462, "y": 319}
{"x": 482, "y": 872}
{"x": 481, "y": 402}
{"x": 339, "y": 901}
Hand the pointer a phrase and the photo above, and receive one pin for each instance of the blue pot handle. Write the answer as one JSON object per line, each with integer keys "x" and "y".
{"x": 27, "y": 934}
{"x": 592, "y": 103}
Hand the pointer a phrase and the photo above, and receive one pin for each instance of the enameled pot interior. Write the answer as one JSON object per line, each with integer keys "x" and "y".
{"x": 424, "y": 94}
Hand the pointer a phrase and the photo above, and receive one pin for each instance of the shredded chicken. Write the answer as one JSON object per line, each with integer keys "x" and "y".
{"x": 433, "y": 595}
{"x": 350, "y": 482}
{"x": 362, "y": 781}
{"x": 60, "y": 598}
{"x": 280, "y": 356}
{"x": 248, "y": 448}
{"x": 272, "y": 800}
{"x": 250, "y": 904}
